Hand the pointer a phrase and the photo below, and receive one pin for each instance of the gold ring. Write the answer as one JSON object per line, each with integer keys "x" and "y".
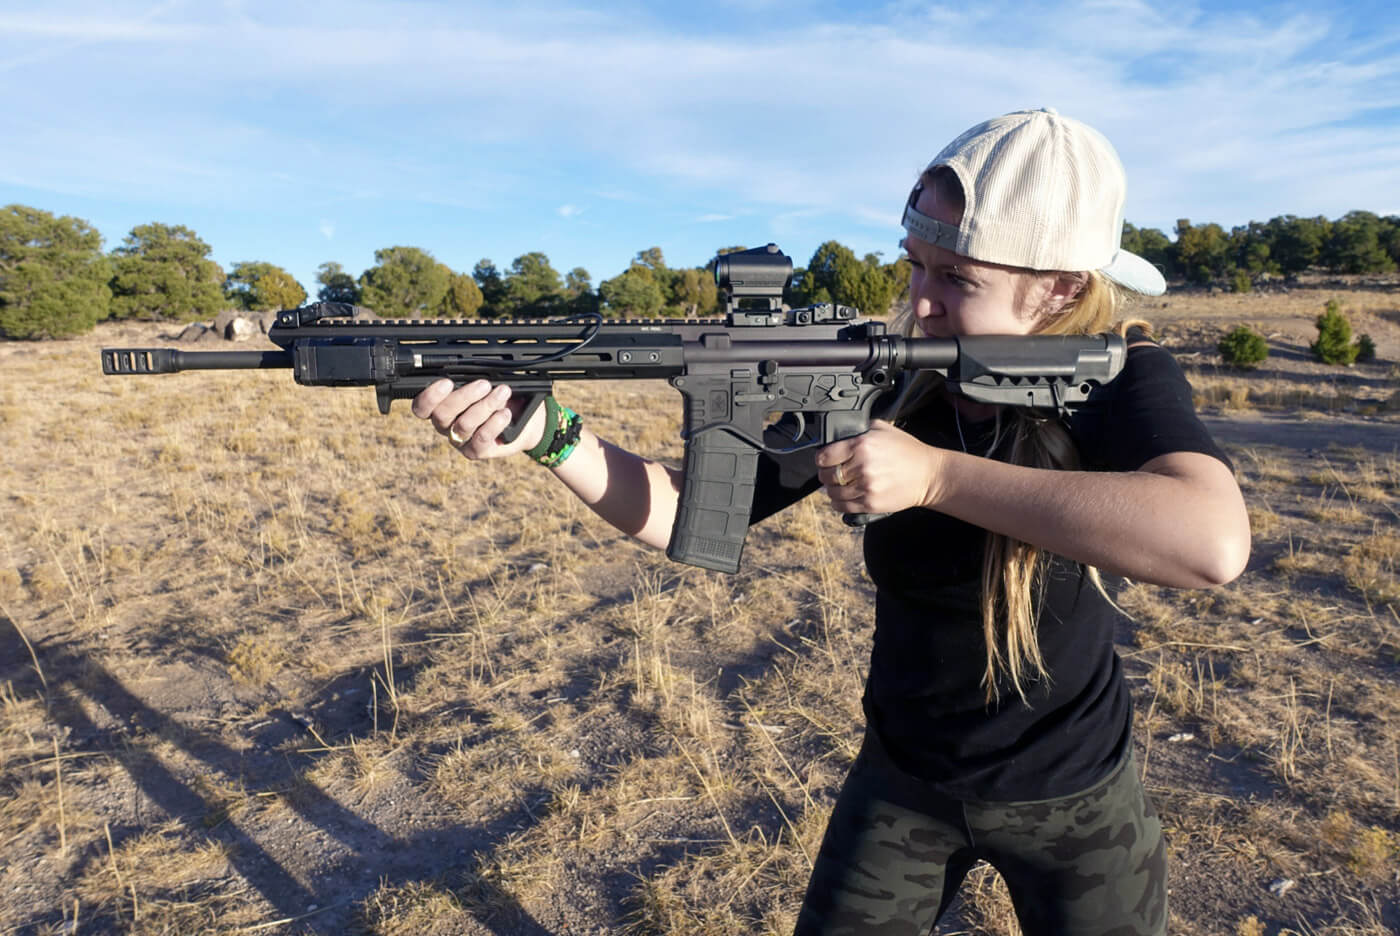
{"x": 452, "y": 434}
{"x": 841, "y": 475}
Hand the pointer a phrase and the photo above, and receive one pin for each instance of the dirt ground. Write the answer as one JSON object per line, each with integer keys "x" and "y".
{"x": 271, "y": 663}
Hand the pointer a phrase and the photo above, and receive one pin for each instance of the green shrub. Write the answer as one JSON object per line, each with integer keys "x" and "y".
{"x": 1366, "y": 349}
{"x": 1243, "y": 347}
{"x": 1334, "y": 344}
{"x": 1241, "y": 283}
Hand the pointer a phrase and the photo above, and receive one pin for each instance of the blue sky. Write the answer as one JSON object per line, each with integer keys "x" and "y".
{"x": 299, "y": 133}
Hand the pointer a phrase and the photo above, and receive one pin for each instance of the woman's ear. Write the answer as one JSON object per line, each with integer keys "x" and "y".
{"x": 1064, "y": 289}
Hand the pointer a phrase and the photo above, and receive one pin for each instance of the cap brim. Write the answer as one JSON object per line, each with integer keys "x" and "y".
{"x": 1132, "y": 272}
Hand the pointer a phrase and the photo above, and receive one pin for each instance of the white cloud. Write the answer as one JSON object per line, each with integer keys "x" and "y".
{"x": 1219, "y": 116}
{"x": 712, "y": 218}
{"x": 327, "y": 229}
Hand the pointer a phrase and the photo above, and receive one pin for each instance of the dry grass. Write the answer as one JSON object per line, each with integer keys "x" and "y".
{"x": 274, "y": 663}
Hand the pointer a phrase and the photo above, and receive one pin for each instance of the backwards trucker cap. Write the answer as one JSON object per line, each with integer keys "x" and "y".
{"x": 1042, "y": 191}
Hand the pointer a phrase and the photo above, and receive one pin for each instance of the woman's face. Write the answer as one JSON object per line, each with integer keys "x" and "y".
{"x": 953, "y": 295}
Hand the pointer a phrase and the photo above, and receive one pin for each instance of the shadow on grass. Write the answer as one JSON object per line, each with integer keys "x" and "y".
{"x": 379, "y": 857}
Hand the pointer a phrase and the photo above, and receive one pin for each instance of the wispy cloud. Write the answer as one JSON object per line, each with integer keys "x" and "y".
{"x": 512, "y": 112}
{"x": 63, "y": 35}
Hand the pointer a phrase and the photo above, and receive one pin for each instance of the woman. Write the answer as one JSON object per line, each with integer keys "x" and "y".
{"x": 998, "y": 719}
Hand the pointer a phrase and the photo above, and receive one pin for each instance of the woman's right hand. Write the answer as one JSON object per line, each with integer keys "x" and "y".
{"x": 474, "y": 415}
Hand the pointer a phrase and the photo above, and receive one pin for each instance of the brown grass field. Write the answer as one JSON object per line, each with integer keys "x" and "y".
{"x": 272, "y": 663}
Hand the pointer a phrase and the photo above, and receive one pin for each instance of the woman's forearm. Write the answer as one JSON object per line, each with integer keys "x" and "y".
{"x": 634, "y": 494}
{"x": 1179, "y": 521}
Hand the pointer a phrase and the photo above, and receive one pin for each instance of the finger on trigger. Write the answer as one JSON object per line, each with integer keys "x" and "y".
{"x": 834, "y": 454}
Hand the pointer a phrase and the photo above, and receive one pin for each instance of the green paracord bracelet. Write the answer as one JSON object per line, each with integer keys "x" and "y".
{"x": 561, "y": 434}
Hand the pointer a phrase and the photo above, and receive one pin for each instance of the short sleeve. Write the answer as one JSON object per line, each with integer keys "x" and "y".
{"x": 1145, "y": 412}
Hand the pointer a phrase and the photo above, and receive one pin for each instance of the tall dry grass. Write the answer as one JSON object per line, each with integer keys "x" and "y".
{"x": 274, "y": 663}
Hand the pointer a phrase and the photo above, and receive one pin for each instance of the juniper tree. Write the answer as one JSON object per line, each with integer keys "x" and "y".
{"x": 163, "y": 272}
{"x": 262, "y": 287}
{"x": 405, "y": 282}
{"x": 53, "y": 274}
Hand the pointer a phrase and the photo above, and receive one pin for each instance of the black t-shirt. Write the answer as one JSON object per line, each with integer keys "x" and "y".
{"x": 924, "y": 697}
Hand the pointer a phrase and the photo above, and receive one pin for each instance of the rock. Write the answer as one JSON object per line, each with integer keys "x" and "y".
{"x": 266, "y": 320}
{"x": 1281, "y": 886}
{"x": 192, "y": 332}
{"x": 240, "y": 329}
{"x": 222, "y": 320}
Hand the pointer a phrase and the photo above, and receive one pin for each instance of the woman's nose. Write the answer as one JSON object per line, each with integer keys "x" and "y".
{"x": 922, "y": 304}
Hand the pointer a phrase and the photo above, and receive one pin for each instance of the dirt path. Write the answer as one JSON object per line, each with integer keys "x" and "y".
{"x": 1305, "y": 436}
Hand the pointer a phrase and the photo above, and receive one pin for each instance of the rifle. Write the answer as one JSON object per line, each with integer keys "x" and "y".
{"x": 820, "y": 363}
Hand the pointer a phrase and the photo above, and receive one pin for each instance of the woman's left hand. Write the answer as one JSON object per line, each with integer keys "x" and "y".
{"x": 883, "y": 470}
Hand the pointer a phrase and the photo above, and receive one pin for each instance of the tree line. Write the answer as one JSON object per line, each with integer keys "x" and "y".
{"x": 56, "y": 281}
{"x": 1357, "y": 242}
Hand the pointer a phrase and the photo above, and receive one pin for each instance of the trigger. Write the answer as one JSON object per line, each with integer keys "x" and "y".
{"x": 801, "y": 429}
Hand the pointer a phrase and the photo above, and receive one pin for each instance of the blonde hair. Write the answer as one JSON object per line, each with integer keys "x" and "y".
{"x": 1011, "y": 569}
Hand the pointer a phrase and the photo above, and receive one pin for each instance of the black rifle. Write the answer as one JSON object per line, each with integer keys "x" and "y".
{"x": 818, "y": 363}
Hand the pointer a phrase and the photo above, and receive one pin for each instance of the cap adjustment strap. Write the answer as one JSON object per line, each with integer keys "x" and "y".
{"x": 929, "y": 229}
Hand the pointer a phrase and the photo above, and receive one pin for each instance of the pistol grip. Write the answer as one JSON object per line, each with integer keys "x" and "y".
{"x": 845, "y": 426}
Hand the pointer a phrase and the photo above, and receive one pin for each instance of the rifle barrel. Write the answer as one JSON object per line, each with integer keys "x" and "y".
{"x": 171, "y": 360}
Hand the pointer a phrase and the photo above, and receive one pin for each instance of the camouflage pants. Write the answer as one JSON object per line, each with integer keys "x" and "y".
{"x": 895, "y": 854}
